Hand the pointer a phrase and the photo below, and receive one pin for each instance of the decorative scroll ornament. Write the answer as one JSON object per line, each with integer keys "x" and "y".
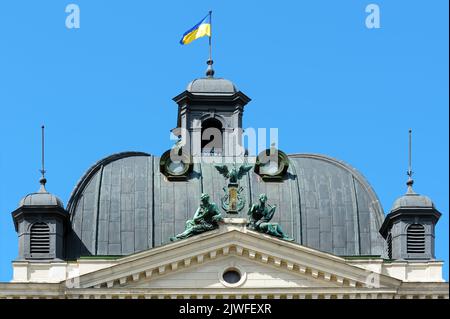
{"x": 233, "y": 201}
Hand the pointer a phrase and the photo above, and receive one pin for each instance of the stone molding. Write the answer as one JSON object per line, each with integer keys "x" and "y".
{"x": 343, "y": 278}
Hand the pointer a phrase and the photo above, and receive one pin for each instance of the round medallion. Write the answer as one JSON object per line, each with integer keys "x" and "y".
{"x": 269, "y": 168}
{"x": 176, "y": 167}
{"x": 272, "y": 164}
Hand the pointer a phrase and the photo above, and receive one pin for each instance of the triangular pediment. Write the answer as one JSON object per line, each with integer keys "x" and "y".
{"x": 251, "y": 274}
{"x": 199, "y": 262}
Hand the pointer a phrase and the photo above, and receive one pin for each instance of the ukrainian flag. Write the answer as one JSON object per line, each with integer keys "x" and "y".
{"x": 201, "y": 29}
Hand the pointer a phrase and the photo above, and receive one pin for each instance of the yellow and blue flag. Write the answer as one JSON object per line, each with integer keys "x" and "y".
{"x": 201, "y": 29}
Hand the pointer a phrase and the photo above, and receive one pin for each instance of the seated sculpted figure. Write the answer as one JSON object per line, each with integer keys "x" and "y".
{"x": 260, "y": 216}
{"x": 207, "y": 217}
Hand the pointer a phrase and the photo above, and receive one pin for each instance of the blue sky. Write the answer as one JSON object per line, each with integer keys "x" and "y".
{"x": 312, "y": 68}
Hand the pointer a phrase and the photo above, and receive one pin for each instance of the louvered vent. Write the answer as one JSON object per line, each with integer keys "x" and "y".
{"x": 389, "y": 246}
{"x": 415, "y": 239}
{"x": 40, "y": 239}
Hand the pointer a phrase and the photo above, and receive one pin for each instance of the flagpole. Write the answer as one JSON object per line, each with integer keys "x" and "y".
{"x": 210, "y": 36}
{"x": 209, "y": 70}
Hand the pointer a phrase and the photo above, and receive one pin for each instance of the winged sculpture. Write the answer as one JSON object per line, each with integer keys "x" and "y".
{"x": 235, "y": 173}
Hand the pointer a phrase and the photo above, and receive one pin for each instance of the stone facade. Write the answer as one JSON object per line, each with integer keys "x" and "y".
{"x": 194, "y": 267}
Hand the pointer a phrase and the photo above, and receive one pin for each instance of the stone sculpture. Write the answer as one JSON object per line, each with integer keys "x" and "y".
{"x": 207, "y": 217}
{"x": 260, "y": 215}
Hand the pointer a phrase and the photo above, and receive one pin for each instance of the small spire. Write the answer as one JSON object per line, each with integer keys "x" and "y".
{"x": 410, "y": 181}
{"x": 210, "y": 70}
{"x": 42, "y": 180}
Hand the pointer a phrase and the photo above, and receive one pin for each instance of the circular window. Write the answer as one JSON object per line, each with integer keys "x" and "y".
{"x": 231, "y": 276}
{"x": 269, "y": 168}
{"x": 176, "y": 168}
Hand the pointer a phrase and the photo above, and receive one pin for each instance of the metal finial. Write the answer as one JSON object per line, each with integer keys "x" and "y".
{"x": 410, "y": 181}
{"x": 210, "y": 70}
{"x": 42, "y": 180}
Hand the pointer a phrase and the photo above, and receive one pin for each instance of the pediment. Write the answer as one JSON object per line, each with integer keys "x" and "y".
{"x": 267, "y": 262}
{"x": 253, "y": 274}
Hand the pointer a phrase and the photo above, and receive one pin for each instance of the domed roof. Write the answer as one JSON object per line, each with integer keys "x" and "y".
{"x": 412, "y": 200}
{"x": 123, "y": 204}
{"x": 41, "y": 198}
{"x": 211, "y": 85}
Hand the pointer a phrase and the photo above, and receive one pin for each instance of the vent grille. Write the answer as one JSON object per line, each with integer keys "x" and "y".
{"x": 415, "y": 239}
{"x": 389, "y": 246}
{"x": 40, "y": 239}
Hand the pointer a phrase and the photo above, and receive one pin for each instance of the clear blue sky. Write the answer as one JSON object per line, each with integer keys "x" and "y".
{"x": 312, "y": 68}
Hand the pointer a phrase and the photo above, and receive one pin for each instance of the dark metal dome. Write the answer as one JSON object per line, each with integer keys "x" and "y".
{"x": 211, "y": 85}
{"x": 123, "y": 204}
{"x": 41, "y": 198}
{"x": 412, "y": 200}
